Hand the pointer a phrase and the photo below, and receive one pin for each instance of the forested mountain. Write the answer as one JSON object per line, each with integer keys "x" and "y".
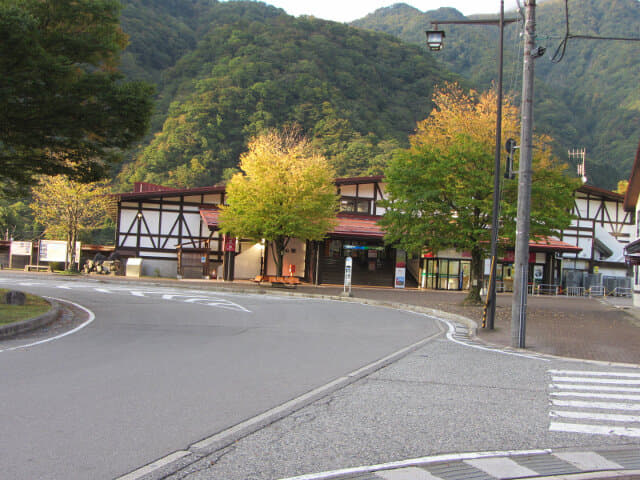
{"x": 227, "y": 70}
{"x": 589, "y": 100}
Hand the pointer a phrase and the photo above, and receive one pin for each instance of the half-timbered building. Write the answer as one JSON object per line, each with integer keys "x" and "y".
{"x": 632, "y": 205}
{"x": 175, "y": 232}
{"x": 601, "y": 228}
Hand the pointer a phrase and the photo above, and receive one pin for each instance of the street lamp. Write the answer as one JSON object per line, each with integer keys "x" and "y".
{"x": 435, "y": 39}
{"x": 490, "y": 307}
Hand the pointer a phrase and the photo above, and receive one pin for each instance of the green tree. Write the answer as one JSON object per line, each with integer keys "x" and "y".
{"x": 64, "y": 107}
{"x": 66, "y": 208}
{"x": 285, "y": 191}
{"x": 440, "y": 191}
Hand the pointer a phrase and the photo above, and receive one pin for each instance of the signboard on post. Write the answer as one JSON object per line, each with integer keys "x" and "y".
{"x": 348, "y": 265}
{"x": 19, "y": 248}
{"x": 401, "y": 268}
{"x": 229, "y": 244}
{"x": 56, "y": 251}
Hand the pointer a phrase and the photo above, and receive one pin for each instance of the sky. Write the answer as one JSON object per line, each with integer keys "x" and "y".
{"x": 349, "y": 10}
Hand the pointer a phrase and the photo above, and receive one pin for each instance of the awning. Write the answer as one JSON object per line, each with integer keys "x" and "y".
{"x": 549, "y": 244}
{"x": 210, "y": 217}
{"x": 357, "y": 227}
{"x": 632, "y": 253}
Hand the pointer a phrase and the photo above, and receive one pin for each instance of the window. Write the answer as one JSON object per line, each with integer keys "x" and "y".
{"x": 353, "y": 205}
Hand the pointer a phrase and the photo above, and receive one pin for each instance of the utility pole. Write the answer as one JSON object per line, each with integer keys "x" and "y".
{"x": 495, "y": 221}
{"x": 521, "y": 280}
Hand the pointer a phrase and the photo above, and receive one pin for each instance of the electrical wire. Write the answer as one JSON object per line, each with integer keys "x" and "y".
{"x": 562, "y": 48}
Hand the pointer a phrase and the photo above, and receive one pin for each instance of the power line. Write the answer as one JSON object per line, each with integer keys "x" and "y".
{"x": 562, "y": 48}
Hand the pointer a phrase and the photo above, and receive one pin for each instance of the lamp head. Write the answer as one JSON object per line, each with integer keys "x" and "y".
{"x": 435, "y": 39}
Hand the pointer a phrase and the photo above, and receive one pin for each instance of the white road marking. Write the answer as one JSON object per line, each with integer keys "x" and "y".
{"x": 501, "y": 467}
{"x": 137, "y": 293}
{"x": 606, "y": 390}
{"x": 102, "y": 290}
{"x": 451, "y": 336}
{"x": 92, "y": 317}
{"x": 64, "y": 287}
{"x": 595, "y": 388}
{"x": 612, "y": 396}
{"x": 595, "y": 374}
{"x": 588, "y": 461}
{"x": 612, "y": 417}
{"x": 409, "y": 473}
{"x": 613, "y": 381}
{"x": 28, "y": 284}
{"x": 603, "y": 405}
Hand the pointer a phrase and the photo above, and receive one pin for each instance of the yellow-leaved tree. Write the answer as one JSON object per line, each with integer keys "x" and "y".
{"x": 66, "y": 208}
{"x": 284, "y": 190}
{"x": 440, "y": 190}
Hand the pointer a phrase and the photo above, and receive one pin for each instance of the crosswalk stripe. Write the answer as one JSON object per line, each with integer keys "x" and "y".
{"x": 612, "y": 396}
{"x": 613, "y": 381}
{"x": 594, "y": 388}
{"x": 594, "y": 429}
{"x": 588, "y": 461}
{"x": 602, "y": 405}
{"x": 612, "y": 417}
{"x": 595, "y": 374}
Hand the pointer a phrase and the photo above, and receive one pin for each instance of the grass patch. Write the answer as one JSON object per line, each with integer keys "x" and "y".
{"x": 33, "y": 307}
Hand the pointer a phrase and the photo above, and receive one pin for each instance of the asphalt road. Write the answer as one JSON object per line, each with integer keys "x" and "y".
{"x": 161, "y": 368}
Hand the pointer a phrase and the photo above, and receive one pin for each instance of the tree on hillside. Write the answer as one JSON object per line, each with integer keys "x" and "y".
{"x": 66, "y": 207}
{"x": 64, "y": 108}
{"x": 284, "y": 191}
{"x": 440, "y": 190}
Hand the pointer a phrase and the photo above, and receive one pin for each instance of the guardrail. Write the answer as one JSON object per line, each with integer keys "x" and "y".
{"x": 621, "y": 292}
{"x": 596, "y": 291}
{"x": 574, "y": 291}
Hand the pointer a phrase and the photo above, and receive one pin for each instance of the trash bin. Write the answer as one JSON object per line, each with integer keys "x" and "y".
{"x": 134, "y": 267}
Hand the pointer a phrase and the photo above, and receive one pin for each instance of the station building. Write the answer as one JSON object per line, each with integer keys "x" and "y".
{"x": 176, "y": 233}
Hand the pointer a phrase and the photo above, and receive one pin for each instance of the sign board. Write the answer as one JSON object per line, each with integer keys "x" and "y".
{"x": 56, "y": 251}
{"x": 229, "y": 244}
{"x": 20, "y": 248}
{"x": 401, "y": 268}
{"x": 400, "y": 277}
{"x": 348, "y": 265}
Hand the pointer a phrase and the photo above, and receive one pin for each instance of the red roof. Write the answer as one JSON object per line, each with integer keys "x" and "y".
{"x": 210, "y": 217}
{"x": 358, "y": 226}
{"x": 143, "y": 187}
{"x": 548, "y": 244}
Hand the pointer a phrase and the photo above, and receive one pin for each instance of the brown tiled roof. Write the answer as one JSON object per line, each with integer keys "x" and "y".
{"x": 548, "y": 244}
{"x": 358, "y": 226}
{"x": 210, "y": 217}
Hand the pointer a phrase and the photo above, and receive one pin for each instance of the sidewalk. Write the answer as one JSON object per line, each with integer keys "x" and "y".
{"x": 577, "y": 327}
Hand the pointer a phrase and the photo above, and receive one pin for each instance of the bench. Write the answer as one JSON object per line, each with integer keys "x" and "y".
{"x": 37, "y": 268}
{"x": 286, "y": 282}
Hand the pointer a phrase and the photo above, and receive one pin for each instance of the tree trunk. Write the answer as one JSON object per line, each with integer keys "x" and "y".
{"x": 278, "y": 247}
{"x": 477, "y": 277}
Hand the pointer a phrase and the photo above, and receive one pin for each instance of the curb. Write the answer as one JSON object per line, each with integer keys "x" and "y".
{"x": 23, "y": 326}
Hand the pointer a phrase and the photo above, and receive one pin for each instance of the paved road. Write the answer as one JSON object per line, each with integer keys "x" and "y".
{"x": 174, "y": 366}
{"x": 160, "y": 368}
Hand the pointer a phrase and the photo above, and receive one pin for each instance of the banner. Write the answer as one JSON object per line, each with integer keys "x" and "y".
{"x": 20, "y": 248}
{"x": 56, "y": 251}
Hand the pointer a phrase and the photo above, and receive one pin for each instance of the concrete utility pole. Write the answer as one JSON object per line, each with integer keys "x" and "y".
{"x": 520, "y": 284}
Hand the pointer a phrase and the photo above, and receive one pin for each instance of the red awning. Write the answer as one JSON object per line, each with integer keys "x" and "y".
{"x": 358, "y": 227}
{"x": 548, "y": 244}
{"x": 210, "y": 217}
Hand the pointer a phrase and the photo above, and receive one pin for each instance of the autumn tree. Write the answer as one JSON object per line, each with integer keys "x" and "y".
{"x": 66, "y": 208}
{"x": 284, "y": 191}
{"x": 64, "y": 108}
{"x": 440, "y": 190}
